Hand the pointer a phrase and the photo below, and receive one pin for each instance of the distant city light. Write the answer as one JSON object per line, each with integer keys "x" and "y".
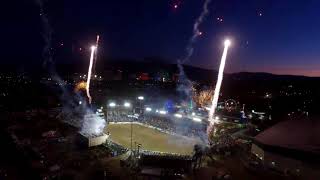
{"x": 162, "y": 112}
{"x": 141, "y": 98}
{"x": 126, "y": 104}
{"x": 148, "y": 109}
{"x": 112, "y": 104}
{"x": 178, "y": 115}
{"x": 196, "y": 119}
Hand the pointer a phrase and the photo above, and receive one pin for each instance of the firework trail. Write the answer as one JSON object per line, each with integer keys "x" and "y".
{"x": 93, "y": 48}
{"x": 46, "y": 34}
{"x": 96, "y": 54}
{"x": 218, "y": 86}
{"x": 196, "y": 31}
{"x": 185, "y": 85}
{"x": 97, "y": 44}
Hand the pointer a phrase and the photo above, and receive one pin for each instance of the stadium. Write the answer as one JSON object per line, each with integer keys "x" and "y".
{"x": 154, "y": 132}
{"x": 150, "y": 138}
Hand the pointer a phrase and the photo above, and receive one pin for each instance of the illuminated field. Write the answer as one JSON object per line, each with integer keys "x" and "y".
{"x": 150, "y": 139}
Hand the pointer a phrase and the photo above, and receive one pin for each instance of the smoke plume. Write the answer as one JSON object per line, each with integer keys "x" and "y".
{"x": 196, "y": 31}
{"x": 80, "y": 116}
{"x": 185, "y": 85}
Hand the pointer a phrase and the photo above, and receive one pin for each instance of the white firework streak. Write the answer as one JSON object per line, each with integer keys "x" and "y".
{"x": 218, "y": 85}
{"x": 89, "y": 73}
{"x": 96, "y": 54}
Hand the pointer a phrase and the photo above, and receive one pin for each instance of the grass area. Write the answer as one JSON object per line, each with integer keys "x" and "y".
{"x": 150, "y": 139}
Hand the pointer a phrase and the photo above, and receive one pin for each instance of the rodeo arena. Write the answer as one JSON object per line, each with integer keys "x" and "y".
{"x": 169, "y": 141}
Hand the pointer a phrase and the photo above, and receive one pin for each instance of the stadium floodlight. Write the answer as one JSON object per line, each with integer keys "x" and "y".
{"x": 196, "y": 119}
{"x": 141, "y": 98}
{"x": 148, "y": 109}
{"x": 112, "y": 104}
{"x": 178, "y": 115}
{"x": 162, "y": 112}
{"x": 126, "y": 104}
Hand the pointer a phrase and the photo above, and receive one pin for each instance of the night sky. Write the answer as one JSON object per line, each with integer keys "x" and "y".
{"x": 277, "y": 36}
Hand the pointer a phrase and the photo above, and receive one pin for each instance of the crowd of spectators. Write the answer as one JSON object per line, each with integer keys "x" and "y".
{"x": 169, "y": 123}
{"x": 169, "y": 155}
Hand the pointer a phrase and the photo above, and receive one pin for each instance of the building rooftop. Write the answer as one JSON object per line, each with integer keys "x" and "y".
{"x": 297, "y": 135}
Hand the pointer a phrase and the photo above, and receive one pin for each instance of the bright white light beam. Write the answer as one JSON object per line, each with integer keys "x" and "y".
{"x": 227, "y": 43}
{"x": 196, "y": 119}
{"x": 93, "y": 48}
{"x": 163, "y": 112}
{"x": 126, "y": 104}
{"x": 112, "y": 104}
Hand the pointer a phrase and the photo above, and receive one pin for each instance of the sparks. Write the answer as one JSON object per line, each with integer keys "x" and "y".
{"x": 227, "y": 43}
{"x": 219, "y": 19}
{"x": 93, "y": 48}
{"x": 81, "y": 86}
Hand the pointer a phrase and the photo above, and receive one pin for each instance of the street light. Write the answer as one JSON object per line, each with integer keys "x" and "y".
{"x": 196, "y": 119}
{"x": 148, "y": 109}
{"x": 112, "y": 104}
{"x": 140, "y": 98}
{"x": 126, "y": 104}
{"x": 178, "y": 115}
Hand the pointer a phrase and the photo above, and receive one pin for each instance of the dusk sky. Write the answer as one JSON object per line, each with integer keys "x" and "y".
{"x": 277, "y": 36}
